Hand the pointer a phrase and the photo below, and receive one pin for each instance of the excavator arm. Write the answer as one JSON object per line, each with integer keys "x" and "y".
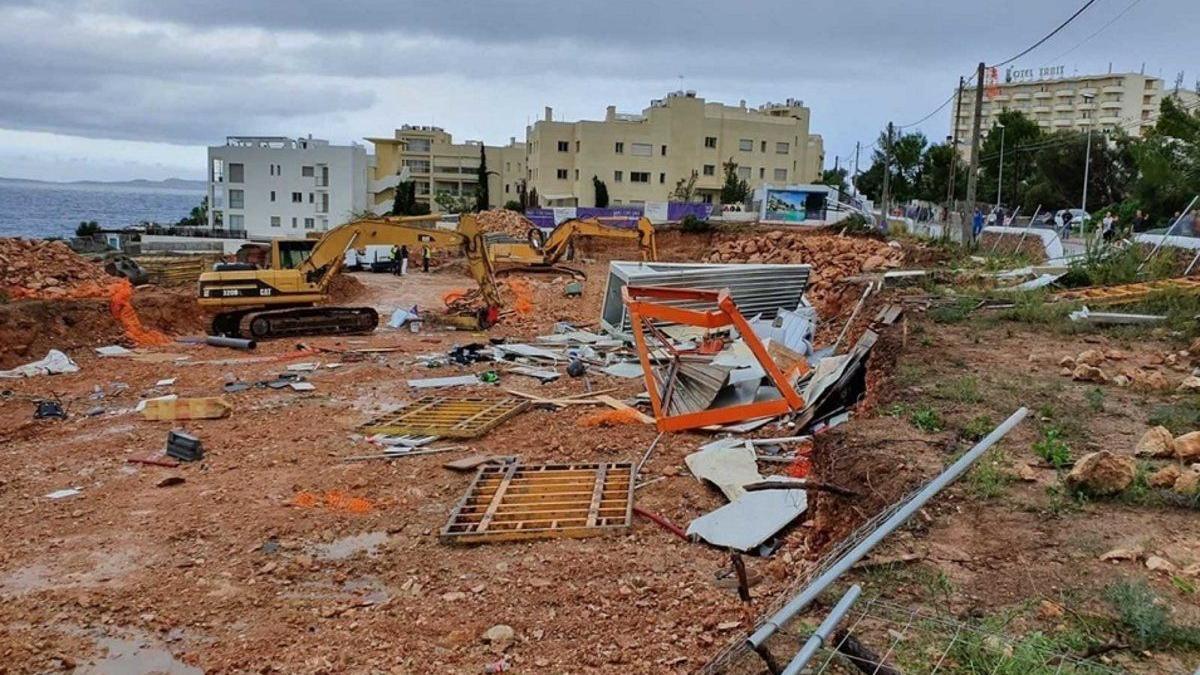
{"x": 559, "y": 241}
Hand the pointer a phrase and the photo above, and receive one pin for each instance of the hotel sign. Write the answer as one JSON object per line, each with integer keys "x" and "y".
{"x": 1031, "y": 74}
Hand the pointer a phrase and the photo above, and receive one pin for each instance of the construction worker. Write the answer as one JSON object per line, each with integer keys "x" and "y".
{"x": 425, "y": 253}
{"x": 396, "y": 253}
{"x": 403, "y": 260}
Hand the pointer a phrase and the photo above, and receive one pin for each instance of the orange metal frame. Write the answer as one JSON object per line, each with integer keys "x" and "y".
{"x": 642, "y": 306}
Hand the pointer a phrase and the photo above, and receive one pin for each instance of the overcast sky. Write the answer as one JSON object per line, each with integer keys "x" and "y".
{"x": 119, "y": 89}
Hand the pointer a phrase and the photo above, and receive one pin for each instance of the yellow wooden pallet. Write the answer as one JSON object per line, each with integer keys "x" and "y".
{"x": 446, "y": 416}
{"x": 1111, "y": 295}
{"x": 514, "y": 501}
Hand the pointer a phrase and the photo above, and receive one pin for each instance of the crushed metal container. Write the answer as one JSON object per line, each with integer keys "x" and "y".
{"x": 757, "y": 288}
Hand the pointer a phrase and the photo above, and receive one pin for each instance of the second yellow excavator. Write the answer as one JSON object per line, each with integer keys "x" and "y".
{"x": 545, "y": 252}
{"x": 289, "y": 300}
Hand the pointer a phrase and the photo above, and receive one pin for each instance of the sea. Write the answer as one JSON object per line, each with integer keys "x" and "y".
{"x": 43, "y": 210}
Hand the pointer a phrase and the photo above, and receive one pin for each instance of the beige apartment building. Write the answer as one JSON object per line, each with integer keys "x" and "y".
{"x": 437, "y": 164}
{"x": 641, "y": 157}
{"x": 1126, "y": 101}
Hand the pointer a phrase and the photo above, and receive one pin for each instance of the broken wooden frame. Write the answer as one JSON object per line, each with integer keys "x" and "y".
{"x": 448, "y": 416}
{"x": 532, "y": 501}
{"x": 643, "y": 310}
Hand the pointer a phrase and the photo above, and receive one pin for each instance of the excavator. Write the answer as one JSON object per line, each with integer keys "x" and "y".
{"x": 545, "y": 252}
{"x": 288, "y": 300}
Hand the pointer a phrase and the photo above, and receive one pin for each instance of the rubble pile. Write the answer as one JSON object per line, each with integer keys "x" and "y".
{"x": 832, "y": 258}
{"x": 503, "y": 221}
{"x": 46, "y": 269}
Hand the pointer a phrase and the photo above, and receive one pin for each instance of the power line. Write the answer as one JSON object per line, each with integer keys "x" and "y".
{"x": 1047, "y": 37}
{"x": 1103, "y": 28}
{"x": 935, "y": 111}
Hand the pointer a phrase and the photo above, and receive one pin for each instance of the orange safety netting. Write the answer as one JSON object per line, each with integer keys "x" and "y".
{"x": 611, "y": 418}
{"x": 333, "y": 500}
{"x": 453, "y": 295}
{"x": 522, "y": 295}
{"x": 120, "y": 302}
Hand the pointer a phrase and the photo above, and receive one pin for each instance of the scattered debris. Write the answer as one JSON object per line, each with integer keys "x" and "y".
{"x": 540, "y": 375}
{"x": 113, "y": 350}
{"x": 334, "y": 501}
{"x": 434, "y": 382}
{"x": 170, "y": 408}
{"x": 49, "y": 410}
{"x": 64, "y": 493}
{"x": 472, "y": 462}
{"x": 184, "y": 446}
{"x": 1089, "y": 316}
{"x": 171, "y": 481}
{"x": 728, "y": 464}
{"x": 750, "y": 520}
{"x": 447, "y": 416}
{"x": 55, "y": 363}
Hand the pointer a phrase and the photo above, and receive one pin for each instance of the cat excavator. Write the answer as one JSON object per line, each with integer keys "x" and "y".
{"x": 545, "y": 252}
{"x": 288, "y": 301}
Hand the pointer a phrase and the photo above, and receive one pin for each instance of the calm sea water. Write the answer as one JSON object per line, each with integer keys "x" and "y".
{"x": 39, "y": 210}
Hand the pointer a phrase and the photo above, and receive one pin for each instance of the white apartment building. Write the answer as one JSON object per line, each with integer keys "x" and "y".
{"x": 273, "y": 186}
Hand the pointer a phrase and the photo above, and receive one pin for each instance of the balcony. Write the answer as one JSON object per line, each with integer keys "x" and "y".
{"x": 1041, "y": 109}
{"x": 1110, "y": 119}
{"x": 1061, "y": 123}
{"x": 1065, "y": 93}
{"x": 1112, "y": 89}
{"x": 1112, "y": 105}
{"x": 1064, "y": 107}
{"x": 1043, "y": 94}
{"x": 1087, "y": 92}
{"x": 1021, "y": 96}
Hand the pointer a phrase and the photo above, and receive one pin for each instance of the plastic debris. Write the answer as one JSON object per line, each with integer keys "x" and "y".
{"x": 55, "y": 363}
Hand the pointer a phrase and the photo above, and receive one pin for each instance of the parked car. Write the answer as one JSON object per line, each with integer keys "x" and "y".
{"x": 1079, "y": 218}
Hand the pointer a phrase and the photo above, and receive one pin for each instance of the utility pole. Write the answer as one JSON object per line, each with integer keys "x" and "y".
{"x": 887, "y": 175}
{"x": 973, "y": 177}
{"x": 854, "y": 178}
{"x": 954, "y": 154}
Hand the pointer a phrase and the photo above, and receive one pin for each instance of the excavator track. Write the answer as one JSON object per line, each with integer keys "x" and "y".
{"x": 297, "y": 321}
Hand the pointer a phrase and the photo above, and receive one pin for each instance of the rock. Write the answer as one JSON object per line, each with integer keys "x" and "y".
{"x": 1090, "y": 357}
{"x": 1165, "y": 477}
{"x": 1086, "y": 373}
{"x": 1026, "y": 473}
{"x": 1187, "y": 447}
{"x": 1192, "y": 570}
{"x": 1115, "y": 355}
{"x": 1123, "y": 554}
{"x": 1066, "y": 372}
{"x": 1157, "y": 442}
{"x": 1188, "y": 483}
{"x": 1102, "y": 473}
{"x": 1190, "y": 383}
{"x": 1152, "y": 381}
{"x": 453, "y": 596}
{"x": 1067, "y": 362}
{"x": 1050, "y": 610}
{"x": 1157, "y": 564}
{"x": 1121, "y": 381}
{"x": 499, "y": 637}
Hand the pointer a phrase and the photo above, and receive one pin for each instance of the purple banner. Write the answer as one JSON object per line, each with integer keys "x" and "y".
{"x": 676, "y": 211}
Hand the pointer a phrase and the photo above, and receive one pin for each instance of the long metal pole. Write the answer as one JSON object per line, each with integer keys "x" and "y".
{"x": 854, "y": 179}
{"x": 968, "y": 233}
{"x": 1087, "y": 165}
{"x": 1000, "y": 181}
{"x": 887, "y": 175}
{"x": 797, "y": 604}
{"x": 1166, "y": 234}
{"x": 818, "y": 638}
{"x": 1032, "y": 219}
{"x": 953, "y": 157}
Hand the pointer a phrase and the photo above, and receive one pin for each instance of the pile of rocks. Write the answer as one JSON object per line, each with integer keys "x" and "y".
{"x": 1090, "y": 364}
{"x": 48, "y": 269}
{"x": 504, "y": 221}
{"x": 832, "y": 259}
{"x": 1106, "y": 473}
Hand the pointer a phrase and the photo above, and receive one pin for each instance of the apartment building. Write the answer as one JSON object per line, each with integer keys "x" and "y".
{"x": 437, "y": 164}
{"x": 641, "y": 157}
{"x": 274, "y": 186}
{"x": 1126, "y": 101}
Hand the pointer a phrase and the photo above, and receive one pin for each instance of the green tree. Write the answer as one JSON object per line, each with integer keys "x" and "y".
{"x": 934, "y": 178}
{"x": 405, "y": 202}
{"x": 198, "y": 216}
{"x": 87, "y": 228}
{"x": 533, "y": 202}
{"x": 906, "y": 162}
{"x": 1059, "y": 161}
{"x": 835, "y": 178}
{"x": 450, "y": 203}
{"x": 685, "y": 188}
{"x": 601, "y": 193}
{"x": 1167, "y": 163}
{"x": 735, "y": 190}
{"x": 1019, "y": 164}
{"x": 482, "y": 198}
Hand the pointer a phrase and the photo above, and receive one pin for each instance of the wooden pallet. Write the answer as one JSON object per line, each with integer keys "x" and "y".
{"x": 515, "y": 501}
{"x": 1111, "y": 295}
{"x": 446, "y": 416}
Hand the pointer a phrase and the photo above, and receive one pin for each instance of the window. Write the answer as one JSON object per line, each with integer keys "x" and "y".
{"x": 783, "y": 148}
{"x": 576, "y": 174}
{"x": 297, "y": 197}
{"x": 272, "y": 195}
{"x": 664, "y": 151}
{"x": 710, "y": 170}
{"x": 306, "y": 171}
{"x": 746, "y": 145}
{"x": 662, "y": 178}
{"x": 237, "y": 173}
{"x": 642, "y": 150}
{"x": 706, "y": 197}
{"x": 508, "y": 166}
{"x": 710, "y": 141}
{"x": 561, "y": 174}
{"x": 618, "y": 176}
{"x": 309, "y": 223}
{"x": 619, "y": 148}
{"x": 311, "y": 198}
{"x": 418, "y": 144}
{"x": 743, "y": 172}
{"x": 237, "y": 221}
{"x": 237, "y": 199}
{"x": 762, "y": 172}
{"x": 639, "y": 176}
{"x": 576, "y": 146}
{"x": 764, "y": 147}
{"x": 275, "y": 221}
{"x": 564, "y": 146}
{"x": 293, "y": 222}
{"x": 780, "y": 174}
{"x": 506, "y": 188}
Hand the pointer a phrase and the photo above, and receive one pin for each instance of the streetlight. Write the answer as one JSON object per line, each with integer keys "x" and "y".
{"x": 1000, "y": 181}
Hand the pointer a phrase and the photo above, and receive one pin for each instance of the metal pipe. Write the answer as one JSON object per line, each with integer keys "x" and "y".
{"x": 818, "y": 638}
{"x": 233, "y": 343}
{"x": 1168, "y": 232}
{"x": 931, "y": 489}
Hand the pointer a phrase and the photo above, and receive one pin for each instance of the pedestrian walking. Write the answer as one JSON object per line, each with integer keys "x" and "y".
{"x": 404, "y": 260}
{"x": 425, "y": 253}
{"x": 396, "y": 260}
{"x": 977, "y": 223}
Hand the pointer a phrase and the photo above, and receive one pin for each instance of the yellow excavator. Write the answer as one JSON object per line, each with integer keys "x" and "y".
{"x": 288, "y": 300}
{"x": 544, "y": 252}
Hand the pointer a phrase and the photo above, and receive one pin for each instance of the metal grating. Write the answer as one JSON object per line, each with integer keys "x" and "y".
{"x": 446, "y": 416}
{"x": 1100, "y": 295}
{"x": 516, "y": 501}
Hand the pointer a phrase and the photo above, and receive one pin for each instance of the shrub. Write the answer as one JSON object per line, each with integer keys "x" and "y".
{"x": 691, "y": 223}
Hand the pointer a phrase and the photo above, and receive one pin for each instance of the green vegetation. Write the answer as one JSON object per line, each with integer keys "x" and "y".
{"x": 514, "y": 205}
{"x": 1052, "y": 448}
{"x": 926, "y": 419}
{"x": 954, "y": 312}
{"x": 691, "y": 223}
{"x": 1144, "y": 619}
{"x": 1095, "y": 399}
{"x": 482, "y": 196}
{"x": 989, "y": 477}
{"x": 1179, "y": 417}
{"x": 87, "y": 228}
{"x": 963, "y": 389}
{"x": 735, "y": 190}
{"x": 977, "y": 428}
{"x": 601, "y": 192}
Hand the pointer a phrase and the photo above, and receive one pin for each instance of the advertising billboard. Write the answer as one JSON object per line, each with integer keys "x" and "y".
{"x": 785, "y": 205}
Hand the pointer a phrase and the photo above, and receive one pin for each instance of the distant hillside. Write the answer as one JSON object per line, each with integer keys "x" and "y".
{"x": 167, "y": 184}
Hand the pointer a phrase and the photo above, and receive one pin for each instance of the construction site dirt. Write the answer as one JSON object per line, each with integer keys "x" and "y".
{"x": 271, "y": 554}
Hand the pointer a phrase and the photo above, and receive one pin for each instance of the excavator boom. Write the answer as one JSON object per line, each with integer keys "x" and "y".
{"x": 545, "y": 252}
{"x": 282, "y": 302}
